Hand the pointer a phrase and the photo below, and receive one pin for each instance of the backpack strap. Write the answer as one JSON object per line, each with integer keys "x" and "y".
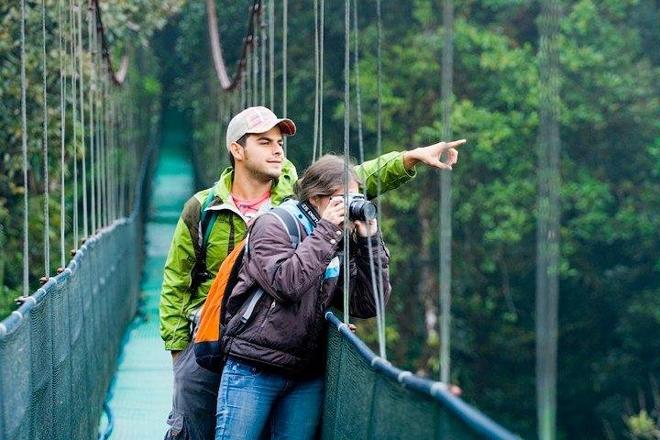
{"x": 291, "y": 226}
{"x": 207, "y": 218}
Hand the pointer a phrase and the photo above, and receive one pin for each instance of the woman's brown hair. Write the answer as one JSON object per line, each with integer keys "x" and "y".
{"x": 323, "y": 178}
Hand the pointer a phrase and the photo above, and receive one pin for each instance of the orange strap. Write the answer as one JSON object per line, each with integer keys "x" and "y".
{"x": 209, "y": 322}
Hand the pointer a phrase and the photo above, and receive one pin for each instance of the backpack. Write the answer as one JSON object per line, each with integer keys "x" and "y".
{"x": 207, "y": 339}
{"x": 200, "y": 230}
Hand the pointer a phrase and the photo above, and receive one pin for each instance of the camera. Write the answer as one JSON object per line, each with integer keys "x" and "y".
{"x": 359, "y": 208}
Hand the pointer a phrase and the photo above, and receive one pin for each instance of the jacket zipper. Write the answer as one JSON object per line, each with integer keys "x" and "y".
{"x": 270, "y": 309}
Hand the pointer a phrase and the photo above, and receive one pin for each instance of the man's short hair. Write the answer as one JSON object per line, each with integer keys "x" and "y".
{"x": 241, "y": 141}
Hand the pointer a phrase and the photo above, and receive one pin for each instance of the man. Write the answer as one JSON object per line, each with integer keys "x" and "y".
{"x": 259, "y": 177}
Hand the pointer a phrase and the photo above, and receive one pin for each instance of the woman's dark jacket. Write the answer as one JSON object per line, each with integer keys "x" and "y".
{"x": 287, "y": 330}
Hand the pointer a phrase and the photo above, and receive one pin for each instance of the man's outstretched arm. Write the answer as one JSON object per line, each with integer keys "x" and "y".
{"x": 391, "y": 170}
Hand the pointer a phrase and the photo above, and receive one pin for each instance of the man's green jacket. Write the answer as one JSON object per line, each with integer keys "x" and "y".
{"x": 177, "y": 302}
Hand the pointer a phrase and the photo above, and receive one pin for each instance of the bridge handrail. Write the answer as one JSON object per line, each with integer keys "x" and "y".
{"x": 472, "y": 417}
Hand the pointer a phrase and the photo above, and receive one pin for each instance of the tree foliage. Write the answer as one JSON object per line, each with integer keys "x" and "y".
{"x": 609, "y": 329}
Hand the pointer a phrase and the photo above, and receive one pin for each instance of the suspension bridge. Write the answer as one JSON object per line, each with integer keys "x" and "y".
{"x": 81, "y": 356}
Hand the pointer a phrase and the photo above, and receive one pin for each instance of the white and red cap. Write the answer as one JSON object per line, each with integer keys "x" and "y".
{"x": 254, "y": 120}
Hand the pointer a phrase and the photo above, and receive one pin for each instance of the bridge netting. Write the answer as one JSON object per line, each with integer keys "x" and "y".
{"x": 58, "y": 351}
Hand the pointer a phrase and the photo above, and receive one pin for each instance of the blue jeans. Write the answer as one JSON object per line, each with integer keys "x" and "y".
{"x": 253, "y": 401}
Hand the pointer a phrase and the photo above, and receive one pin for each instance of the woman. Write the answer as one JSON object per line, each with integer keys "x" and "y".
{"x": 273, "y": 378}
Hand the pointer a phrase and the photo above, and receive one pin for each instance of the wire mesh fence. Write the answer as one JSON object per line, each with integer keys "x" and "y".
{"x": 367, "y": 398}
{"x": 59, "y": 349}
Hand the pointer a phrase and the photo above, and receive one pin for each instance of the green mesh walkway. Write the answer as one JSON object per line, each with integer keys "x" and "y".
{"x": 141, "y": 394}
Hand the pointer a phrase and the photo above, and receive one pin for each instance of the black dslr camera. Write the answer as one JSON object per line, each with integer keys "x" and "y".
{"x": 359, "y": 208}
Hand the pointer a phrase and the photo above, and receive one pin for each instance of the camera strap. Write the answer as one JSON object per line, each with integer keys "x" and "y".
{"x": 310, "y": 212}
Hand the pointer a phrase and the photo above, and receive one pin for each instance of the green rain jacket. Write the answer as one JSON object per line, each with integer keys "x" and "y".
{"x": 177, "y": 303}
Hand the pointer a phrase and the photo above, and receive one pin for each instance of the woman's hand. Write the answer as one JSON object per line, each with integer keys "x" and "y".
{"x": 334, "y": 212}
{"x": 366, "y": 229}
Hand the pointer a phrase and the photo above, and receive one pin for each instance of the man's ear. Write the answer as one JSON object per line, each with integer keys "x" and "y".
{"x": 237, "y": 150}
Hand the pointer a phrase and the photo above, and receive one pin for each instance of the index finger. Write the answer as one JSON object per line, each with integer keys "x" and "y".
{"x": 454, "y": 144}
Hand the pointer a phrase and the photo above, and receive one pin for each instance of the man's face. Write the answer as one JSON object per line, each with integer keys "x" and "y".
{"x": 263, "y": 155}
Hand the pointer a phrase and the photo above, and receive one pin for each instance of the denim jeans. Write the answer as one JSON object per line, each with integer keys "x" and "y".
{"x": 252, "y": 401}
{"x": 195, "y": 397}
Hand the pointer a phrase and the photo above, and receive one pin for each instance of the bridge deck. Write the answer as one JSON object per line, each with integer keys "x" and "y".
{"x": 141, "y": 395}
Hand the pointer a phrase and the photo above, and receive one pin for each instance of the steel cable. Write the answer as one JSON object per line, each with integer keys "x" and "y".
{"x": 98, "y": 98}
{"x": 255, "y": 58}
{"x": 316, "y": 80}
{"x": 92, "y": 134}
{"x": 104, "y": 142}
{"x": 81, "y": 91}
{"x": 248, "y": 78}
{"x": 379, "y": 298}
{"x": 445, "y": 195}
{"x": 74, "y": 105}
{"x": 285, "y": 42}
{"x": 44, "y": 142}
{"x": 216, "y": 47}
{"x": 271, "y": 51}
{"x": 61, "y": 55}
{"x": 118, "y": 76}
{"x": 347, "y": 124}
{"x": 26, "y": 256}
{"x": 321, "y": 67}
{"x": 262, "y": 42}
{"x": 379, "y": 148}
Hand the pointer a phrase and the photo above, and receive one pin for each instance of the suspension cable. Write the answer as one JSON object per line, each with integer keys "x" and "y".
{"x": 92, "y": 134}
{"x": 44, "y": 142}
{"x": 242, "y": 92}
{"x": 271, "y": 51}
{"x": 81, "y": 90}
{"x": 285, "y": 56}
{"x": 107, "y": 146}
{"x": 26, "y": 268}
{"x": 74, "y": 104}
{"x": 316, "y": 80}
{"x": 255, "y": 57}
{"x": 378, "y": 295}
{"x": 98, "y": 85}
{"x": 248, "y": 76}
{"x": 113, "y": 129}
{"x": 61, "y": 55}
{"x": 102, "y": 149}
{"x": 123, "y": 141}
{"x": 321, "y": 67}
{"x": 216, "y": 47}
{"x": 117, "y": 76}
{"x": 262, "y": 43}
{"x": 379, "y": 153}
{"x": 347, "y": 123}
{"x": 445, "y": 197}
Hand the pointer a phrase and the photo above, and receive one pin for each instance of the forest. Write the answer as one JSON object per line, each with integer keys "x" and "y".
{"x": 609, "y": 278}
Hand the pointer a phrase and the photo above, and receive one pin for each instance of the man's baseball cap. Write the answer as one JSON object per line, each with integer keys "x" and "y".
{"x": 254, "y": 120}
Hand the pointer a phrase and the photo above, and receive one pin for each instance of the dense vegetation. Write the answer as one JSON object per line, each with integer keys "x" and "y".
{"x": 609, "y": 329}
{"x": 135, "y": 21}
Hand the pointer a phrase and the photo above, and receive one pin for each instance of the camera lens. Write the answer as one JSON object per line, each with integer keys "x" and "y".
{"x": 361, "y": 209}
